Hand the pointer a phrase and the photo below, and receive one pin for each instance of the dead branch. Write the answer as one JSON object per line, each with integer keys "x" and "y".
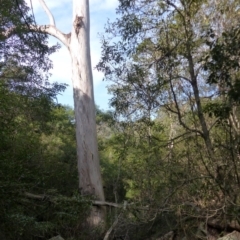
{"x": 94, "y": 202}
{"x": 48, "y": 12}
{"x": 53, "y": 31}
{"x": 50, "y": 29}
{"x": 106, "y": 237}
{"x": 218, "y": 224}
{"x": 101, "y": 203}
{"x": 37, "y": 197}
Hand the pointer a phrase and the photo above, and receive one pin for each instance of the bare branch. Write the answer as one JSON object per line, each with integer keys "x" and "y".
{"x": 159, "y": 59}
{"x": 182, "y": 77}
{"x": 178, "y": 112}
{"x": 95, "y": 203}
{"x": 9, "y": 32}
{"x": 176, "y": 8}
{"x": 234, "y": 121}
{"x": 53, "y": 31}
{"x": 48, "y": 12}
{"x": 49, "y": 29}
{"x": 107, "y": 235}
{"x": 100, "y": 203}
{"x": 37, "y": 197}
{"x": 116, "y": 205}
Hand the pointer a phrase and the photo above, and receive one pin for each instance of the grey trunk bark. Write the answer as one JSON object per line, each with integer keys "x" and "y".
{"x": 78, "y": 44}
{"x": 79, "y": 47}
{"x": 90, "y": 181}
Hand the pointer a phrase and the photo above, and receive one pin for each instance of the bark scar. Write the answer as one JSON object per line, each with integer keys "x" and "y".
{"x": 78, "y": 23}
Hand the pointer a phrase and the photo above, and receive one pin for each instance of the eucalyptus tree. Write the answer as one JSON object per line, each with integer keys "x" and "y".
{"x": 78, "y": 45}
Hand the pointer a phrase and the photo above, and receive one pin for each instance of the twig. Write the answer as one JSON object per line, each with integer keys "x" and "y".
{"x": 106, "y": 237}
{"x": 48, "y": 12}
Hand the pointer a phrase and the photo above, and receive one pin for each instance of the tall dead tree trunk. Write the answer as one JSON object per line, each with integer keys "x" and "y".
{"x": 78, "y": 44}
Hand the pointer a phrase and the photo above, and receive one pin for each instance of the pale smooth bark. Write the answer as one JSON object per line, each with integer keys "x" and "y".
{"x": 78, "y": 44}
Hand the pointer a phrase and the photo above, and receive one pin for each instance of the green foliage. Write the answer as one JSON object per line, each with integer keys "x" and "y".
{"x": 175, "y": 91}
{"x": 219, "y": 110}
{"x": 170, "y": 147}
{"x": 38, "y": 156}
{"x": 43, "y": 219}
{"x": 223, "y": 63}
{"x": 38, "y": 173}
